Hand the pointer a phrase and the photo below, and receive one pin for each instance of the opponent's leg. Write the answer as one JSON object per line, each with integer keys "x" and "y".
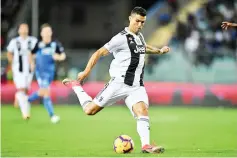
{"x": 21, "y": 97}
{"x": 34, "y": 96}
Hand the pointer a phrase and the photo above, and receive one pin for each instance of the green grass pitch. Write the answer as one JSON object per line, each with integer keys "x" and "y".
{"x": 182, "y": 131}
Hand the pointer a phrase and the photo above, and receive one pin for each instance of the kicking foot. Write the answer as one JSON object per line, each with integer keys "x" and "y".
{"x": 70, "y": 83}
{"x": 152, "y": 149}
{"x": 55, "y": 119}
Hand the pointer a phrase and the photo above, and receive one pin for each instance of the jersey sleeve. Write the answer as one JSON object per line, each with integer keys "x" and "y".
{"x": 34, "y": 41}
{"x": 59, "y": 48}
{"x": 35, "y": 49}
{"x": 114, "y": 44}
{"x": 11, "y": 45}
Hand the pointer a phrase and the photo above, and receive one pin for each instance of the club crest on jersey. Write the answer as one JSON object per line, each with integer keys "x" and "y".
{"x": 140, "y": 49}
{"x": 138, "y": 41}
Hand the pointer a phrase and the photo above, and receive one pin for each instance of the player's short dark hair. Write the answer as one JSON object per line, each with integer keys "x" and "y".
{"x": 45, "y": 25}
{"x": 139, "y": 10}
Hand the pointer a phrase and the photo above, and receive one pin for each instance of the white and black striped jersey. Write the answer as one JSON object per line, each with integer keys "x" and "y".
{"x": 129, "y": 57}
{"x": 20, "y": 48}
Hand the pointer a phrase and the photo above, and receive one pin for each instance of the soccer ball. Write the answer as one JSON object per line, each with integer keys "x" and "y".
{"x": 123, "y": 144}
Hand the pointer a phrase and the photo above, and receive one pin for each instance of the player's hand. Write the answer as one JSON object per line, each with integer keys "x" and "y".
{"x": 225, "y": 25}
{"x": 81, "y": 76}
{"x": 165, "y": 49}
{"x": 56, "y": 57}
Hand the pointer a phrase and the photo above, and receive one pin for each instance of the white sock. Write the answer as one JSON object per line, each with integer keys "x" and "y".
{"x": 82, "y": 96}
{"x": 143, "y": 129}
{"x": 23, "y": 103}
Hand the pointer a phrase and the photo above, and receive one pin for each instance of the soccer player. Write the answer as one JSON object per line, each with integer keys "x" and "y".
{"x": 43, "y": 57}
{"x": 225, "y": 25}
{"x": 18, "y": 57}
{"x": 126, "y": 70}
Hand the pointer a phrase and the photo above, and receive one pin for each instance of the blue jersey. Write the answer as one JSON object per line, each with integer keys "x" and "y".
{"x": 45, "y": 64}
{"x": 44, "y": 55}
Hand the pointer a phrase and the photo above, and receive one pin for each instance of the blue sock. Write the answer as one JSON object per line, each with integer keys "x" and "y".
{"x": 48, "y": 105}
{"x": 33, "y": 97}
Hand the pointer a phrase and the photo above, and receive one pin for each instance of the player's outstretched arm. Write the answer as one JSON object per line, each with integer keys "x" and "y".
{"x": 225, "y": 25}
{"x": 153, "y": 50}
{"x": 91, "y": 63}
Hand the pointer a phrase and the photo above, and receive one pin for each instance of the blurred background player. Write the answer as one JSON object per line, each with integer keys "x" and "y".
{"x": 44, "y": 55}
{"x": 126, "y": 71}
{"x": 18, "y": 57}
{"x": 225, "y": 25}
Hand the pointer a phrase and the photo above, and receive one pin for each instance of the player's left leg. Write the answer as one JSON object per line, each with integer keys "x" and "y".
{"x": 137, "y": 102}
{"x": 44, "y": 80}
{"x": 44, "y": 91}
{"x": 16, "y": 102}
{"x": 20, "y": 96}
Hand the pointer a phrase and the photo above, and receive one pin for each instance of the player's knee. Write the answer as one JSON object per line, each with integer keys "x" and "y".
{"x": 91, "y": 109}
{"x": 140, "y": 109}
{"x": 44, "y": 92}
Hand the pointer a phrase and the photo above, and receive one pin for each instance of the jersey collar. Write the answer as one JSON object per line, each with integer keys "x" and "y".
{"x": 126, "y": 29}
{"x": 20, "y": 38}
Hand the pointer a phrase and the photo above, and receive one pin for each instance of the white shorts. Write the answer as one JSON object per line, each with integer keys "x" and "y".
{"x": 22, "y": 80}
{"x": 114, "y": 91}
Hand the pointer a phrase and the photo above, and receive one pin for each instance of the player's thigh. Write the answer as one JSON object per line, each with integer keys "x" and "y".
{"x": 138, "y": 98}
{"x": 44, "y": 79}
{"x": 109, "y": 94}
{"x": 20, "y": 80}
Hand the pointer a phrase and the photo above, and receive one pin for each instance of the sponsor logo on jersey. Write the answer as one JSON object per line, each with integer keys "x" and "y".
{"x": 47, "y": 51}
{"x": 140, "y": 49}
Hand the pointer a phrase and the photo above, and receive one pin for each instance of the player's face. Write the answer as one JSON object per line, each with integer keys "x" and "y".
{"x": 46, "y": 32}
{"x": 136, "y": 22}
{"x": 23, "y": 30}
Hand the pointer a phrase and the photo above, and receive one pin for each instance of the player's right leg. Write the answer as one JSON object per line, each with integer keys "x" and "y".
{"x": 88, "y": 106}
{"x": 35, "y": 95}
{"x": 105, "y": 97}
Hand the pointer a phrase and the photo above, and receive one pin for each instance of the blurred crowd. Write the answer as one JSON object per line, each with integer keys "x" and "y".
{"x": 9, "y": 11}
{"x": 202, "y": 38}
